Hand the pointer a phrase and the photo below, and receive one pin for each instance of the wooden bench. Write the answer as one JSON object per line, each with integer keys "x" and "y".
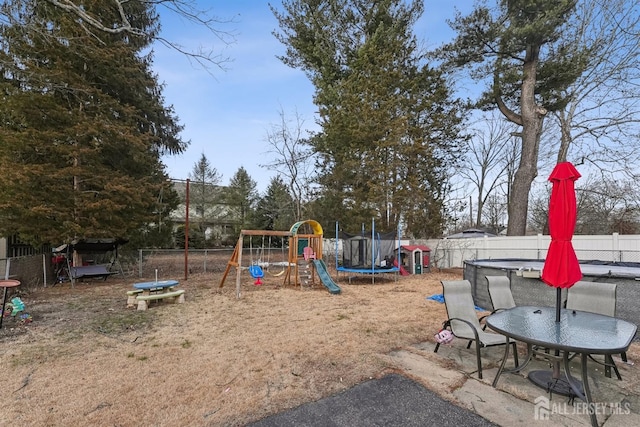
{"x": 131, "y": 297}
{"x": 172, "y": 297}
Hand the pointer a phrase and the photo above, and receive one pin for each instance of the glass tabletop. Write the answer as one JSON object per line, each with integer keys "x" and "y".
{"x": 577, "y": 331}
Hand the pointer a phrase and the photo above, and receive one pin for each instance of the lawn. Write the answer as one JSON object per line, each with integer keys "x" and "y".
{"x": 216, "y": 360}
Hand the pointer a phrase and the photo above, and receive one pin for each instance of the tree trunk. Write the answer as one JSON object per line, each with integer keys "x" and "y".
{"x": 532, "y": 116}
{"x": 565, "y": 135}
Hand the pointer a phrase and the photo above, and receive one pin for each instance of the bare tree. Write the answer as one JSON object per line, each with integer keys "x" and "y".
{"x": 607, "y": 206}
{"x": 486, "y": 164}
{"x": 185, "y": 9}
{"x": 512, "y": 160}
{"x": 539, "y": 211}
{"x": 604, "y": 207}
{"x": 600, "y": 122}
{"x": 494, "y": 213}
{"x": 293, "y": 156}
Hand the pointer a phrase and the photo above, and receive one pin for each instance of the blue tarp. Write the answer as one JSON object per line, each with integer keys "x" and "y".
{"x": 440, "y": 298}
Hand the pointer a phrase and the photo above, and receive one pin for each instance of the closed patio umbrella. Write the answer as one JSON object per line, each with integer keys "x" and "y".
{"x": 561, "y": 268}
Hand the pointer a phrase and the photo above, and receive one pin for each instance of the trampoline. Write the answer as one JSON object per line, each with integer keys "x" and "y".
{"x": 368, "y": 253}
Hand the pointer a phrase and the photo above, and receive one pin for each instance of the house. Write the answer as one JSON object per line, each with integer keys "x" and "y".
{"x": 207, "y": 210}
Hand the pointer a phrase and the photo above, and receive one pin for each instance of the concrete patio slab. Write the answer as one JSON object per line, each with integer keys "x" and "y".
{"x": 516, "y": 401}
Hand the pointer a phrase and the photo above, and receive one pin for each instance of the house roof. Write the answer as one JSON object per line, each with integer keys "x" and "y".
{"x": 471, "y": 233}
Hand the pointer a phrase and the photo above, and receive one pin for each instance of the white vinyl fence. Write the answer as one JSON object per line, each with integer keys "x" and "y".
{"x": 36, "y": 270}
{"x": 450, "y": 253}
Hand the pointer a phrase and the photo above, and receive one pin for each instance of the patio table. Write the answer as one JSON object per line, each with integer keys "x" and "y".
{"x": 6, "y": 283}
{"x": 577, "y": 332}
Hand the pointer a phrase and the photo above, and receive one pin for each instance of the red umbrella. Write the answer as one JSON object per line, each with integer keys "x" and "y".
{"x": 561, "y": 268}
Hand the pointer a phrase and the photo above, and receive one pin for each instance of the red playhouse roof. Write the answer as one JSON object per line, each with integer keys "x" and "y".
{"x": 412, "y": 248}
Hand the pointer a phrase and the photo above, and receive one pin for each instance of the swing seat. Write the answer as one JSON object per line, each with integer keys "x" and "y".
{"x": 257, "y": 273}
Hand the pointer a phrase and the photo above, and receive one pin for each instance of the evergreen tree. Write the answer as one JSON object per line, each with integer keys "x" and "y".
{"x": 389, "y": 125}
{"x": 158, "y": 233}
{"x": 241, "y": 197}
{"x": 83, "y": 125}
{"x": 274, "y": 211}
{"x": 518, "y": 46}
{"x": 205, "y": 196}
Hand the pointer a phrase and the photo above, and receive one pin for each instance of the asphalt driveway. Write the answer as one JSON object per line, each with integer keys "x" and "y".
{"x": 393, "y": 400}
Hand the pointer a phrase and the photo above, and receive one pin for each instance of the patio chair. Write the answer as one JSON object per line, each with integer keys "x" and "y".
{"x": 600, "y": 298}
{"x": 500, "y": 292}
{"x": 463, "y": 321}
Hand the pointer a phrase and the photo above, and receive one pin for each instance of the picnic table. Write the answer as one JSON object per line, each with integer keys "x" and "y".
{"x": 162, "y": 290}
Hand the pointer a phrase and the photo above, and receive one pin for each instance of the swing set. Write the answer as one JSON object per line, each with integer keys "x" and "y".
{"x": 255, "y": 268}
{"x": 300, "y": 247}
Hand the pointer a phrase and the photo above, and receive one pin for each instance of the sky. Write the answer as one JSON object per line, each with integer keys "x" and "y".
{"x": 227, "y": 114}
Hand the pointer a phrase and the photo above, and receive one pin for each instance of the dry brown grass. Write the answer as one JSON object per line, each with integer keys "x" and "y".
{"x": 215, "y": 360}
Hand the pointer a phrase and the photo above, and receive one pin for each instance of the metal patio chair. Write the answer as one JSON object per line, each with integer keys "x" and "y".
{"x": 500, "y": 292}
{"x": 600, "y": 298}
{"x": 463, "y": 320}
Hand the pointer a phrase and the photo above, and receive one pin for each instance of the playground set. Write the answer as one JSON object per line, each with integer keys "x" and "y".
{"x": 304, "y": 257}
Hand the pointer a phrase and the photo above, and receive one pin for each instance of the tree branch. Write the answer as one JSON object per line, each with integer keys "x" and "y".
{"x": 186, "y": 9}
{"x": 506, "y": 111}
